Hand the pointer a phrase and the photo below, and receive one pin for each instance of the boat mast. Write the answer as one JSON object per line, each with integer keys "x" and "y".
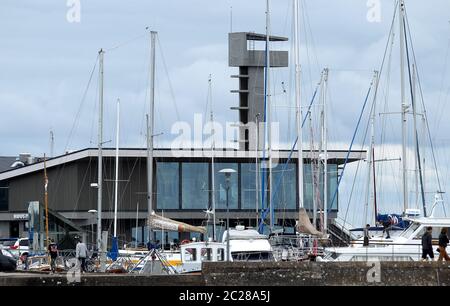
{"x": 213, "y": 132}
{"x": 46, "y": 201}
{"x": 299, "y": 107}
{"x": 100, "y": 153}
{"x": 371, "y": 161}
{"x": 116, "y": 179}
{"x": 137, "y": 224}
{"x": 257, "y": 170}
{"x": 403, "y": 103}
{"x": 325, "y": 152}
{"x": 416, "y": 142}
{"x": 150, "y": 126}
{"x": 268, "y": 109}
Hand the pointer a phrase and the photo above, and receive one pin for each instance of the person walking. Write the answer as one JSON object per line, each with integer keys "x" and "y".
{"x": 53, "y": 253}
{"x": 81, "y": 254}
{"x": 443, "y": 241}
{"x": 366, "y": 235}
{"x": 427, "y": 246}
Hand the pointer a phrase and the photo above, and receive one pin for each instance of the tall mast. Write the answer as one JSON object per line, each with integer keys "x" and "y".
{"x": 46, "y": 201}
{"x": 325, "y": 152}
{"x": 268, "y": 109}
{"x": 116, "y": 179}
{"x": 213, "y": 132}
{"x": 370, "y": 160}
{"x": 257, "y": 170}
{"x": 150, "y": 133}
{"x": 299, "y": 108}
{"x": 403, "y": 103}
{"x": 416, "y": 142}
{"x": 100, "y": 153}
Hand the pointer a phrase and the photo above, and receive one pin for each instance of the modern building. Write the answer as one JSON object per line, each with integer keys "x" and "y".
{"x": 182, "y": 178}
{"x": 182, "y": 189}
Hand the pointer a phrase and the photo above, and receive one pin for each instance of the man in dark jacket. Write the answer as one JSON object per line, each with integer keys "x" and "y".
{"x": 427, "y": 246}
{"x": 366, "y": 235}
{"x": 443, "y": 241}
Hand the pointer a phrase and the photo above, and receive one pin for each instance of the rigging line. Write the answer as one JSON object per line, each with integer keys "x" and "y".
{"x": 59, "y": 171}
{"x": 309, "y": 28}
{"x": 83, "y": 99}
{"x": 440, "y": 102}
{"x": 127, "y": 41}
{"x": 307, "y": 47}
{"x": 424, "y": 109}
{"x": 265, "y": 210}
{"x": 147, "y": 89}
{"x": 357, "y": 170}
{"x": 417, "y": 136}
{"x": 350, "y": 148}
{"x": 172, "y": 93}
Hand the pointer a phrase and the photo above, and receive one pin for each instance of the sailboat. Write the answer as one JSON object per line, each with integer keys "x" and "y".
{"x": 406, "y": 245}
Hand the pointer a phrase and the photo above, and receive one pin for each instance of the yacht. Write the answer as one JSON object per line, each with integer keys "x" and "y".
{"x": 244, "y": 245}
{"x": 407, "y": 246}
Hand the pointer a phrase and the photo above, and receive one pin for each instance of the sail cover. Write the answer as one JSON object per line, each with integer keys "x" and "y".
{"x": 162, "y": 223}
{"x": 304, "y": 225}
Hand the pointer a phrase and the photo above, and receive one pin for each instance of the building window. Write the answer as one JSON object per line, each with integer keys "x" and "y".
{"x": 195, "y": 185}
{"x": 312, "y": 193}
{"x": 284, "y": 186}
{"x": 248, "y": 187}
{"x": 220, "y": 188}
{"x": 167, "y": 185}
{"x": 4, "y": 197}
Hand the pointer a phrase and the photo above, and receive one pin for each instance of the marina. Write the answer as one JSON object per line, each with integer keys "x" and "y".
{"x": 280, "y": 176}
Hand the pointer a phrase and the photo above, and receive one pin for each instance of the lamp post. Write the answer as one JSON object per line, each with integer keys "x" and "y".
{"x": 92, "y": 212}
{"x": 228, "y": 173}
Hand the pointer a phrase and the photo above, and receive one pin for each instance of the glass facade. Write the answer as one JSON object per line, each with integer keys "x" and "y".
{"x": 248, "y": 187}
{"x": 316, "y": 193}
{"x": 195, "y": 185}
{"x": 193, "y": 190}
{"x": 167, "y": 185}
{"x": 220, "y": 190}
{"x": 285, "y": 186}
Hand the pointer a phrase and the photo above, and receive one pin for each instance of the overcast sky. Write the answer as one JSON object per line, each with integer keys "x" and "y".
{"x": 46, "y": 62}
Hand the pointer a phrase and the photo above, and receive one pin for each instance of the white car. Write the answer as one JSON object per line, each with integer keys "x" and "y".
{"x": 20, "y": 247}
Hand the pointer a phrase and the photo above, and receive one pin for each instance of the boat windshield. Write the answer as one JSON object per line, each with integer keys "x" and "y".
{"x": 410, "y": 230}
{"x": 252, "y": 256}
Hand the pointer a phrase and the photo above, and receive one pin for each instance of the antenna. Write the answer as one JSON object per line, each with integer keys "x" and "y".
{"x": 231, "y": 19}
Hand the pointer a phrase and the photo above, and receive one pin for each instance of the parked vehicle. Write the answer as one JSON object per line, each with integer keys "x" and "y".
{"x": 7, "y": 261}
{"x": 20, "y": 247}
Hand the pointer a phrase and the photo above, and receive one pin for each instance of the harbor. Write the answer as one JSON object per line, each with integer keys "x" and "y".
{"x": 232, "y": 158}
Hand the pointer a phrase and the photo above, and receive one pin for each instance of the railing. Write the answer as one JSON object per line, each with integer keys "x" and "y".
{"x": 379, "y": 251}
{"x": 295, "y": 248}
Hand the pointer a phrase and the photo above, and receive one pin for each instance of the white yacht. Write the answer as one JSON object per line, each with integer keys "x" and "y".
{"x": 407, "y": 246}
{"x": 244, "y": 245}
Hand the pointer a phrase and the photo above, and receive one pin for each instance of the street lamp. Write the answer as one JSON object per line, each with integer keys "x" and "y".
{"x": 92, "y": 212}
{"x": 228, "y": 173}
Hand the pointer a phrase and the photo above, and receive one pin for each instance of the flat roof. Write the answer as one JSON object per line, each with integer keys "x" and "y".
{"x": 339, "y": 156}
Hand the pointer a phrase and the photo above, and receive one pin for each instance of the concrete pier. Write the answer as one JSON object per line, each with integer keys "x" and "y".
{"x": 260, "y": 274}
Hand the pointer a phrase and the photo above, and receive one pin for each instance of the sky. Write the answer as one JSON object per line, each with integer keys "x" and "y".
{"x": 49, "y": 74}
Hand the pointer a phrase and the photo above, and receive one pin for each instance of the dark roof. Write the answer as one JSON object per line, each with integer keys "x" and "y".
{"x": 6, "y": 162}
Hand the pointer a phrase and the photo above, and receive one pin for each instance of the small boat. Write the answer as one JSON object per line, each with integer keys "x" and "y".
{"x": 244, "y": 245}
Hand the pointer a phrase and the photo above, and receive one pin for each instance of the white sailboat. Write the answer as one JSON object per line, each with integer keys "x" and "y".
{"x": 407, "y": 244}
